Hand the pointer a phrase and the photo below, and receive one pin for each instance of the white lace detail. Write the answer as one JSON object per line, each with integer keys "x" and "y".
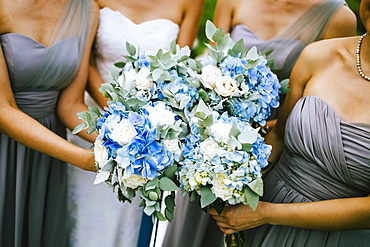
{"x": 115, "y": 30}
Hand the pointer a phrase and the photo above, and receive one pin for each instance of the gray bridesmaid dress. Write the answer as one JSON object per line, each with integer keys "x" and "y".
{"x": 324, "y": 158}
{"x": 33, "y": 185}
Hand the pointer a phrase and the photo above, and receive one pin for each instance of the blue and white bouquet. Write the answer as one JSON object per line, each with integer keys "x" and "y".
{"x": 141, "y": 131}
{"x": 224, "y": 153}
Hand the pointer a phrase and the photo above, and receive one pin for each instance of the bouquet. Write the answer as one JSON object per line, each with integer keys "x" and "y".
{"x": 224, "y": 153}
{"x": 140, "y": 131}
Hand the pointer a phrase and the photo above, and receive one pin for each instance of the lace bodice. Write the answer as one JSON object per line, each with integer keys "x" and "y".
{"x": 115, "y": 30}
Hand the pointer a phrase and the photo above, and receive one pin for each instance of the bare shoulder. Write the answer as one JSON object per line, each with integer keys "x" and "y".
{"x": 326, "y": 51}
{"x": 342, "y": 24}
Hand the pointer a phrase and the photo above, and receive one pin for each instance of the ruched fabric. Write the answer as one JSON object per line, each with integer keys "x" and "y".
{"x": 325, "y": 158}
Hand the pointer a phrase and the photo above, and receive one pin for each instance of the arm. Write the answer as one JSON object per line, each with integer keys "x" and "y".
{"x": 190, "y": 22}
{"x": 342, "y": 24}
{"x": 71, "y": 99}
{"x": 94, "y": 82}
{"x": 27, "y": 131}
{"x": 330, "y": 215}
{"x": 224, "y": 14}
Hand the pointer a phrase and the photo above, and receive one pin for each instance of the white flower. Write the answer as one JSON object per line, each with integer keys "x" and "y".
{"x": 219, "y": 187}
{"x": 226, "y": 86}
{"x": 100, "y": 153}
{"x": 221, "y": 131}
{"x": 160, "y": 115}
{"x": 172, "y": 145}
{"x": 123, "y": 132}
{"x": 209, "y": 76}
{"x": 129, "y": 78}
{"x": 208, "y": 148}
{"x": 134, "y": 181}
{"x": 141, "y": 79}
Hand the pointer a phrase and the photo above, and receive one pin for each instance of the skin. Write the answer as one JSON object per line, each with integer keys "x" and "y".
{"x": 36, "y": 19}
{"x": 325, "y": 66}
{"x": 186, "y": 15}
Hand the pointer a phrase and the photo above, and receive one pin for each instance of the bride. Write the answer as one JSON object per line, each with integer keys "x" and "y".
{"x": 149, "y": 25}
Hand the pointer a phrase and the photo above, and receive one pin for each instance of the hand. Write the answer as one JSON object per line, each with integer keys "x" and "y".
{"x": 239, "y": 217}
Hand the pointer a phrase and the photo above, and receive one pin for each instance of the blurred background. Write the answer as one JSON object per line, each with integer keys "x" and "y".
{"x": 208, "y": 15}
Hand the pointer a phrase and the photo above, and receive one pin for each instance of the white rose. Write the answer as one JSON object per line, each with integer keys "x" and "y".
{"x": 100, "y": 153}
{"x": 141, "y": 79}
{"x": 129, "y": 78}
{"x": 134, "y": 181}
{"x": 123, "y": 132}
{"x": 172, "y": 145}
{"x": 209, "y": 76}
{"x": 226, "y": 86}
{"x": 221, "y": 131}
{"x": 219, "y": 187}
{"x": 208, "y": 148}
{"x": 160, "y": 115}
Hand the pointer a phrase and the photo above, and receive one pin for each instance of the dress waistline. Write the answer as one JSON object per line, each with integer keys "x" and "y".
{"x": 37, "y": 104}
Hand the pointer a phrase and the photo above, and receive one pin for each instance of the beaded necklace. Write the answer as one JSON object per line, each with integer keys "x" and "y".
{"x": 358, "y": 60}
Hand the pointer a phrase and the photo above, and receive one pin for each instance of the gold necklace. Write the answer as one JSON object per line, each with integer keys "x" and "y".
{"x": 358, "y": 60}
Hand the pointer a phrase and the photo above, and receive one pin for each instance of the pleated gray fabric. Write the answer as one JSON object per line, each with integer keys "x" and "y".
{"x": 33, "y": 186}
{"x": 325, "y": 158}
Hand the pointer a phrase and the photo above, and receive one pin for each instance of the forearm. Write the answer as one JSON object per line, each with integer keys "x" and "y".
{"x": 330, "y": 215}
{"x": 34, "y": 135}
{"x": 67, "y": 114}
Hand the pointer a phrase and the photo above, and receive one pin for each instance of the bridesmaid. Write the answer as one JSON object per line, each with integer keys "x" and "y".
{"x": 286, "y": 27}
{"x": 150, "y": 25}
{"x": 45, "y": 47}
{"x": 318, "y": 193}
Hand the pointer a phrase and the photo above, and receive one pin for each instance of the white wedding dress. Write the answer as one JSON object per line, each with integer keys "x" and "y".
{"x": 96, "y": 217}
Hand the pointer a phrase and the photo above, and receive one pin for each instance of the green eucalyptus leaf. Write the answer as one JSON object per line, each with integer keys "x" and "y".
{"x": 234, "y": 144}
{"x": 248, "y": 137}
{"x": 210, "y": 29}
{"x": 151, "y": 184}
{"x": 157, "y": 73}
{"x": 252, "y": 54}
{"x": 234, "y": 130}
{"x": 170, "y": 171}
{"x": 193, "y": 196}
{"x": 252, "y": 198}
{"x": 120, "y": 65}
{"x": 208, "y": 121}
{"x": 167, "y": 184}
{"x": 284, "y": 86}
{"x": 219, "y": 205}
{"x": 206, "y": 196}
{"x": 184, "y": 101}
{"x": 80, "y": 128}
{"x": 168, "y": 214}
{"x": 257, "y": 186}
{"x": 173, "y": 47}
{"x": 170, "y": 203}
{"x": 246, "y": 147}
{"x": 219, "y": 34}
{"x": 131, "y": 49}
{"x": 159, "y": 216}
{"x": 223, "y": 42}
{"x": 238, "y": 47}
